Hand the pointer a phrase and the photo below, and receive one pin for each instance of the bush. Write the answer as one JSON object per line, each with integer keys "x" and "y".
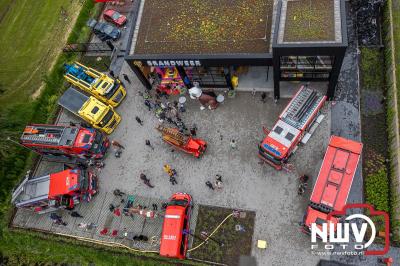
{"x": 377, "y": 190}
{"x": 372, "y": 75}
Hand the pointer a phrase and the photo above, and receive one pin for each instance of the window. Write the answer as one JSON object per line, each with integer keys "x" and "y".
{"x": 320, "y": 221}
{"x": 86, "y": 138}
{"x": 306, "y": 67}
{"x": 105, "y": 84}
{"x": 115, "y": 16}
{"x": 289, "y": 136}
{"x": 207, "y": 76}
{"x": 95, "y": 110}
{"x": 278, "y": 129}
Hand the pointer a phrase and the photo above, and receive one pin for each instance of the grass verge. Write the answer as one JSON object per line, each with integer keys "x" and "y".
{"x": 373, "y": 120}
{"x": 392, "y": 60}
{"x": 235, "y": 243}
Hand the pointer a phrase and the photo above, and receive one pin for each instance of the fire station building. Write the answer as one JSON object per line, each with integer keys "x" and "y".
{"x": 237, "y": 44}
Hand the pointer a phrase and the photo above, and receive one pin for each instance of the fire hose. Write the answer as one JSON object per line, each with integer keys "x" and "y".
{"x": 210, "y": 235}
{"x": 109, "y": 244}
{"x": 105, "y": 243}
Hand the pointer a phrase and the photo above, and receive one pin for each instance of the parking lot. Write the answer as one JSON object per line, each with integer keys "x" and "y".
{"x": 247, "y": 184}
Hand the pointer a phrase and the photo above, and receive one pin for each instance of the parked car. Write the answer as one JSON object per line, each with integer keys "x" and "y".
{"x": 115, "y": 17}
{"x": 103, "y": 30}
{"x": 91, "y": 23}
{"x": 174, "y": 236}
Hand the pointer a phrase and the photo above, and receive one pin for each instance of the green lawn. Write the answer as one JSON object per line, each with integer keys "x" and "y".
{"x": 32, "y": 35}
{"x": 26, "y": 249}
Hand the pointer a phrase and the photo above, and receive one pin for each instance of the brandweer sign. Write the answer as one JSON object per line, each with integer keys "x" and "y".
{"x": 172, "y": 63}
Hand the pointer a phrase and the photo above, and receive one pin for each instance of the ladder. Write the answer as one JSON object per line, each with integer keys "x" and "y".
{"x": 301, "y": 107}
{"x": 172, "y": 135}
{"x": 43, "y": 135}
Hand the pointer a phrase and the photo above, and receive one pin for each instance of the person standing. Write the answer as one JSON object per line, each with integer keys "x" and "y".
{"x": 139, "y": 120}
{"x": 145, "y": 180}
{"x": 125, "y": 76}
{"x": 112, "y": 74}
{"x": 167, "y": 168}
{"x": 218, "y": 181}
{"x": 148, "y": 104}
{"x": 76, "y": 214}
{"x": 233, "y": 144}
{"x": 193, "y": 130}
{"x": 148, "y": 143}
{"x": 209, "y": 185}
{"x": 116, "y": 144}
{"x": 57, "y": 219}
{"x": 172, "y": 179}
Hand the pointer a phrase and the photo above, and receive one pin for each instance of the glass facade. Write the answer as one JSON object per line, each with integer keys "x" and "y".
{"x": 306, "y": 67}
{"x": 207, "y": 76}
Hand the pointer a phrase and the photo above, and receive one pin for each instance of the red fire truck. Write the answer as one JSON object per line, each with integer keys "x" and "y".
{"x": 193, "y": 146}
{"x": 174, "y": 242}
{"x": 296, "y": 124}
{"x": 334, "y": 181}
{"x": 62, "y": 190}
{"x": 60, "y": 142}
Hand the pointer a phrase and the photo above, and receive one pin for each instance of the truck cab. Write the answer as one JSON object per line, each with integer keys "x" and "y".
{"x": 318, "y": 217}
{"x": 62, "y": 190}
{"x": 295, "y": 125}
{"x": 100, "y": 115}
{"x": 94, "y": 112}
{"x": 107, "y": 89}
{"x": 174, "y": 243}
{"x": 93, "y": 141}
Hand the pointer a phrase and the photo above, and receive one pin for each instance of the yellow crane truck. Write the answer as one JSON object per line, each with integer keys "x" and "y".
{"x": 106, "y": 89}
{"x": 94, "y": 112}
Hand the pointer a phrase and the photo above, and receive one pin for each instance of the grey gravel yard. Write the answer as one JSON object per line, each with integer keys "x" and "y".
{"x": 247, "y": 184}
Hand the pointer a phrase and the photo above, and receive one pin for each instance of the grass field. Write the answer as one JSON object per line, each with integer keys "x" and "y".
{"x": 32, "y": 35}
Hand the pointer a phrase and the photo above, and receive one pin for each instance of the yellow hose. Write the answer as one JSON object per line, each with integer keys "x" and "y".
{"x": 113, "y": 244}
{"x": 110, "y": 244}
{"x": 215, "y": 230}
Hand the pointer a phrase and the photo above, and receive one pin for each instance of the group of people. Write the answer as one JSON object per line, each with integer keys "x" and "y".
{"x": 171, "y": 173}
{"x": 217, "y": 183}
{"x": 57, "y": 219}
{"x": 165, "y": 110}
{"x": 167, "y": 168}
